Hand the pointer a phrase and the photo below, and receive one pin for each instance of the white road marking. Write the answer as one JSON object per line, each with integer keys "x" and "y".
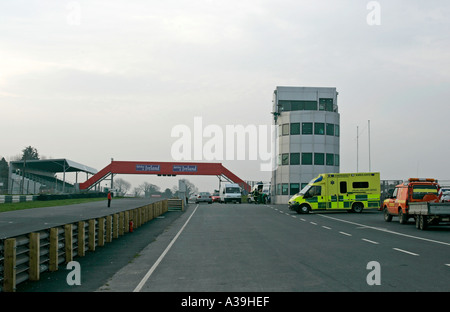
{"x": 343, "y": 233}
{"x": 326, "y": 227}
{"x": 386, "y": 231}
{"x": 370, "y": 241}
{"x": 314, "y": 223}
{"x": 405, "y": 251}
{"x": 155, "y": 265}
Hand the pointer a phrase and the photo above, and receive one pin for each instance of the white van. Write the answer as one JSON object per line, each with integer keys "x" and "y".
{"x": 230, "y": 192}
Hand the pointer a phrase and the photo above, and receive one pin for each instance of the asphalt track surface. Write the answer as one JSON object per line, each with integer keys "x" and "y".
{"x": 263, "y": 248}
{"x": 19, "y": 222}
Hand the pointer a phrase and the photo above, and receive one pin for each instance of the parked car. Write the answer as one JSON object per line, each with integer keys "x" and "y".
{"x": 204, "y": 197}
{"x": 445, "y": 195}
{"x": 193, "y": 198}
{"x": 215, "y": 197}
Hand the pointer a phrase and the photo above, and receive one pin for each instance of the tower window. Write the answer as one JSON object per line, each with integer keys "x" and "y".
{"x": 295, "y": 128}
{"x": 306, "y": 158}
{"x": 330, "y": 129}
{"x": 319, "y": 128}
{"x": 295, "y": 158}
{"x": 285, "y": 129}
{"x": 319, "y": 159}
{"x": 307, "y": 128}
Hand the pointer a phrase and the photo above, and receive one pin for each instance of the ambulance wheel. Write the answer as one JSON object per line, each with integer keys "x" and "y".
{"x": 357, "y": 207}
{"x": 303, "y": 209}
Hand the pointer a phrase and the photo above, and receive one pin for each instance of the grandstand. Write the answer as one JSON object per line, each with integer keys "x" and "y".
{"x": 40, "y": 176}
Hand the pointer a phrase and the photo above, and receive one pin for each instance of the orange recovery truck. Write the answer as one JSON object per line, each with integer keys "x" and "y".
{"x": 418, "y": 199}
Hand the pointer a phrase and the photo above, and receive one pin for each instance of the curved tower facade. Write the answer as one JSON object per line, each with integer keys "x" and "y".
{"x": 307, "y": 142}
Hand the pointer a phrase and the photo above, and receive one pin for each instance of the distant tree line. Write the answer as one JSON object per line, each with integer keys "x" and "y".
{"x": 148, "y": 189}
{"x": 28, "y": 153}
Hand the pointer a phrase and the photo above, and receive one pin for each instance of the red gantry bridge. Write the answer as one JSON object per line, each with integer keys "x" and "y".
{"x": 163, "y": 169}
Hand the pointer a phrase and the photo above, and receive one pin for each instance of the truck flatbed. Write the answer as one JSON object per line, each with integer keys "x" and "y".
{"x": 426, "y": 213}
{"x": 427, "y": 208}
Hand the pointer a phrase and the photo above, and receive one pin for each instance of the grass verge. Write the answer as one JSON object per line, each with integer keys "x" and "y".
{"x": 49, "y": 203}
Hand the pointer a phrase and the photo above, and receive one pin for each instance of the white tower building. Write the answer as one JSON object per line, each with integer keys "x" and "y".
{"x": 308, "y": 138}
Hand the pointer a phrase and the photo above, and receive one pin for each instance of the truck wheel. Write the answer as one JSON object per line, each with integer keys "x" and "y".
{"x": 423, "y": 222}
{"x": 402, "y": 217}
{"x": 387, "y": 215}
{"x": 357, "y": 207}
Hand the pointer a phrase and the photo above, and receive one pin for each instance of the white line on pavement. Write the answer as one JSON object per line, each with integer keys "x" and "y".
{"x": 155, "y": 265}
{"x": 370, "y": 241}
{"x": 405, "y": 251}
{"x": 385, "y": 230}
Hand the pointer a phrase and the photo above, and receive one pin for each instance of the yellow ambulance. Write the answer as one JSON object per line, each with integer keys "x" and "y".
{"x": 333, "y": 191}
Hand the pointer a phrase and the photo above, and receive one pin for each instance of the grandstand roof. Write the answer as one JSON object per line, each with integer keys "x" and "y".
{"x": 54, "y": 165}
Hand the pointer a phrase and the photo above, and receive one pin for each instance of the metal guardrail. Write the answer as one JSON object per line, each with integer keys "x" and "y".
{"x": 25, "y": 257}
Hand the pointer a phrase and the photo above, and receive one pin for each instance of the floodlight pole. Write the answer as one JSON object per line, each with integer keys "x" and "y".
{"x": 370, "y": 169}
{"x": 357, "y": 148}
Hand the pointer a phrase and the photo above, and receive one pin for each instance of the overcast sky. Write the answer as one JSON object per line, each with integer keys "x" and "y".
{"x": 95, "y": 80}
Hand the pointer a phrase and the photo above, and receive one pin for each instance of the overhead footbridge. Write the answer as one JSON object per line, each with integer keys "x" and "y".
{"x": 163, "y": 169}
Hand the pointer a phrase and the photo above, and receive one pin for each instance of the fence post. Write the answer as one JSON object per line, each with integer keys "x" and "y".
{"x": 126, "y": 221}
{"x": 68, "y": 242}
{"x": 115, "y": 225}
{"x": 9, "y": 270}
{"x": 142, "y": 217}
{"x": 34, "y": 256}
{"x": 101, "y": 231}
{"x": 121, "y": 222}
{"x": 145, "y": 209}
{"x": 135, "y": 219}
{"x": 81, "y": 238}
{"x": 92, "y": 235}
{"x": 108, "y": 229}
